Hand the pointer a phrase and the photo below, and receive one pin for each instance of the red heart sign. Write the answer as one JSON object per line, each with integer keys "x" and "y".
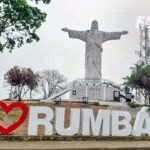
{"x": 20, "y": 121}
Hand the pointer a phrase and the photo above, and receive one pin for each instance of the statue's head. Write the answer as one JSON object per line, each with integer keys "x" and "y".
{"x": 94, "y": 25}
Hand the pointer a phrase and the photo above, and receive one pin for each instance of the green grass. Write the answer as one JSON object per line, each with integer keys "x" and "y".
{"x": 134, "y": 105}
{"x": 132, "y": 121}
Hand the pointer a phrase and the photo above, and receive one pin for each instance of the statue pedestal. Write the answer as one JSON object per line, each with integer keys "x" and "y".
{"x": 93, "y": 90}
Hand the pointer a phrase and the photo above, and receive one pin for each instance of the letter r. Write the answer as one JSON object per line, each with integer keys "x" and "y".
{"x": 34, "y": 121}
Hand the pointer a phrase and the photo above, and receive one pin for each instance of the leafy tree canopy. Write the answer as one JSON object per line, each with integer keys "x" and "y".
{"x": 19, "y": 22}
{"x": 139, "y": 79}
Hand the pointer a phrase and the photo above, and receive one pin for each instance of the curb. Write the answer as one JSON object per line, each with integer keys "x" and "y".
{"x": 75, "y": 138}
{"x": 139, "y": 148}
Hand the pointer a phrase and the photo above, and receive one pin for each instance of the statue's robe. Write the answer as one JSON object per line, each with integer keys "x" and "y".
{"x": 93, "y": 54}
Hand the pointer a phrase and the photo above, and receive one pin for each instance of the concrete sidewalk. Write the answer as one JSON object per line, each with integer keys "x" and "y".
{"x": 72, "y": 145}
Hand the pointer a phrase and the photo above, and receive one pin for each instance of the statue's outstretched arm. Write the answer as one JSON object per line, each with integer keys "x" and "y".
{"x": 76, "y": 34}
{"x": 65, "y": 29}
{"x": 124, "y": 32}
{"x": 113, "y": 35}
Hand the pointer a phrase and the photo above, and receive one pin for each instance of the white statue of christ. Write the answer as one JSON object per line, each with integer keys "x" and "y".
{"x": 94, "y": 38}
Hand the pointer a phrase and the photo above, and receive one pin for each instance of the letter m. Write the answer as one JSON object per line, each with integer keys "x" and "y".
{"x": 99, "y": 125}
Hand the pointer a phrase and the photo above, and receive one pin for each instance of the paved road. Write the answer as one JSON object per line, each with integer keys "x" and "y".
{"x": 84, "y": 145}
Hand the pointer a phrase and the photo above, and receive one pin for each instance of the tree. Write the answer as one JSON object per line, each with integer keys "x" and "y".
{"x": 130, "y": 81}
{"x": 139, "y": 79}
{"x": 50, "y": 82}
{"x": 19, "y": 23}
{"x": 22, "y": 80}
{"x": 126, "y": 89}
{"x": 32, "y": 84}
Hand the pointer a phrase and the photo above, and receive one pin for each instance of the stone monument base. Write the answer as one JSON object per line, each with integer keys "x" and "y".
{"x": 93, "y": 90}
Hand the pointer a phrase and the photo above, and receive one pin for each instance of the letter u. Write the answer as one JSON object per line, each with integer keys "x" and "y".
{"x": 74, "y": 122}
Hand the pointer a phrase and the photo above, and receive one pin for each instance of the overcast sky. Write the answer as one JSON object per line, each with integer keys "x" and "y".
{"x": 56, "y": 51}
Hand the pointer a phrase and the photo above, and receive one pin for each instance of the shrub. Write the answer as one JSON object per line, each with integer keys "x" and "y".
{"x": 133, "y": 105}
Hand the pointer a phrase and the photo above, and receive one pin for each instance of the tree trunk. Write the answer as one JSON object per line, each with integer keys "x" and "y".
{"x": 10, "y": 93}
{"x": 136, "y": 97}
{"x": 149, "y": 98}
{"x": 30, "y": 94}
{"x": 19, "y": 94}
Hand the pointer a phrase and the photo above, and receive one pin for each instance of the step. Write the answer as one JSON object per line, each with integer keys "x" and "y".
{"x": 76, "y": 145}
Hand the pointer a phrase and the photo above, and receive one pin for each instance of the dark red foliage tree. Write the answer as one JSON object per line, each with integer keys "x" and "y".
{"x": 22, "y": 79}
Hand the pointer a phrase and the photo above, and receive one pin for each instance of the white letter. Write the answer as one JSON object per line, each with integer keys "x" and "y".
{"x": 142, "y": 123}
{"x": 34, "y": 121}
{"x": 74, "y": 122}
{"x": 116, "y": 122}
{"x": 100, "y": 126}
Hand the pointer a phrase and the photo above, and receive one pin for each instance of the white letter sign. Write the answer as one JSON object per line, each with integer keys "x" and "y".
{"x": 34, "y": 121}
{"x": 142, "y": 123}
{"x": 74, "y": 122}
{"x": 99, "y": 126}
{"x": 125, "y": 122}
